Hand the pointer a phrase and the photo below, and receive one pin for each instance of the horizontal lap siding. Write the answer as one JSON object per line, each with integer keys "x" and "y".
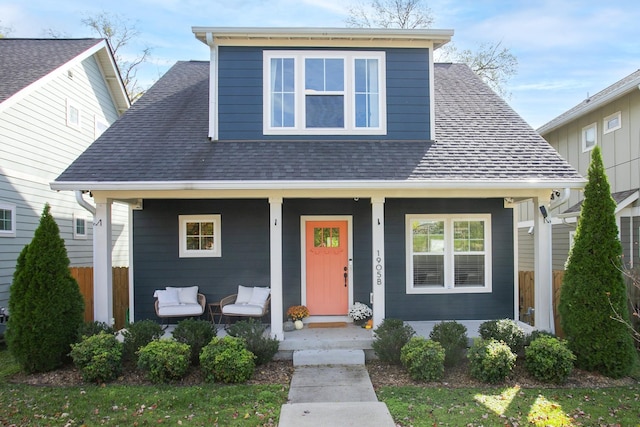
{"x": 494, "y": 305}
{"x": 240, "y": 95}
{"x": 245, "y": 250}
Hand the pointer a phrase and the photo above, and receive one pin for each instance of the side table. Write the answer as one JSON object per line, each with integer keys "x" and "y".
{"x": 215, "y": 310}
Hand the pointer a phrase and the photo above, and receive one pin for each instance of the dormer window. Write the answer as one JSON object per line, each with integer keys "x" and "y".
{"x": 324, "y": 93}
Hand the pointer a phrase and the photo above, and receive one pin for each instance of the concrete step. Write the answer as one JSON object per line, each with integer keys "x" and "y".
{"x": 328, "y": 357}
{"x": 371, "y": 414}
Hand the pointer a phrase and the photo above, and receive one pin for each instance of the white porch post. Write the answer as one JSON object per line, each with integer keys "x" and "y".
{"x": 377, "y": 238}
{"x": 102, "y": 273}
{"x": 275, "y": 227}
{"x": 543, "y": 273}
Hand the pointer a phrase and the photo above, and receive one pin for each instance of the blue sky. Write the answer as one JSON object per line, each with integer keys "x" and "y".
{"x": 566, "y": 49}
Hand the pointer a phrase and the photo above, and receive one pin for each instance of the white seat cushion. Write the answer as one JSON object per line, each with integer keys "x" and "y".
{"x": 242, "y": 309}
{"x": 181, "y": 310}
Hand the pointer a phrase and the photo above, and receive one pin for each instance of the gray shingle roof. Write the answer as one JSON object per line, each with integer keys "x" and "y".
{"x": 24, "y": 61}
{"x": 163, "y": 137}
{"x": 618, "y": 197}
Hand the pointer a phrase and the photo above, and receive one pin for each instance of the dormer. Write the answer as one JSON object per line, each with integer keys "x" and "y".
{"x": 321, "y": 83}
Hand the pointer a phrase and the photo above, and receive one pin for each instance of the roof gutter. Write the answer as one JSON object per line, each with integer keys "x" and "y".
{"x": 82, "y": 202}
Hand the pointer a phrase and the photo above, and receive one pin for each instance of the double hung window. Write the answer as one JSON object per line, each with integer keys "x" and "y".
{"x": 324, "y": 92}
{"x": 7, "y": 220}
{"x": 447, "y": 253}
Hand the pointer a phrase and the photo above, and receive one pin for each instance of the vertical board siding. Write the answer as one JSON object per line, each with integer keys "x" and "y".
{"x": 37, "y": 145}
{"x": 240, "y": 95}
{"x": 84, "y": 277}
{"x": 494, "y": 305}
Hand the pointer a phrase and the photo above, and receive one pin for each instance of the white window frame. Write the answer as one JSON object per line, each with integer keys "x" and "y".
{"x": 449, "y": 286}
{"x": 73, "y": 105}
{"x": 215, "y": 252}
{"x": 77, "y": 235}
{"x": 349, "y": 58}
{"x": 605, "y": 123}
{"x": 12, "y": 208}
{"x": 585, "y": 129}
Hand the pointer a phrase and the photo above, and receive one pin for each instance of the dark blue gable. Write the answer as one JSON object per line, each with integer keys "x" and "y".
{"x": 240, "y": 95}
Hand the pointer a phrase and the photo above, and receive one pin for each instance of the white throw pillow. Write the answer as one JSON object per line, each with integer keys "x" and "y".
{"x": 259, "y": 296}
{"x": 167, "y": 298}
{"x": 188, "y": 295}
{"x": 244, "y": 294}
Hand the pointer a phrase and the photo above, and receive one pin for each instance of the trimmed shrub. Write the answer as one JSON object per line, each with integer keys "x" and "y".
{"x": 164, "y": 360}
{"x": 45, "y": 302}
{"x": 505, "y": 330}
{"x": 593, "y": 296}
{"x": 390, "y": 337}
{"x": 196, "y": 333}
{"x": 227, "y": 360}
{"x": 98, "y": 357}
{"x": 535, "y": 335}
{"x": 490, "y": 361}
{"x": 423, "y": 359}
{"x": 88, "y": 329}
{"x": 452, "y": 336}
{"x": 139, "y": 334}
{"x": 253, "y": 333}
{"x": 548, "y": 359}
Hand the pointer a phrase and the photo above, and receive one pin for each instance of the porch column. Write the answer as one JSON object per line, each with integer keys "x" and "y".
{"x": 377, "y": 239}
{"x": 275, "y": 249}
{"x": 102, "y": 273}
{"x": 543, "y": 273}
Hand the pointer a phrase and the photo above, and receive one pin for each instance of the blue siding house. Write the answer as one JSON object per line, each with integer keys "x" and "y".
{"x": 332, "y": 165}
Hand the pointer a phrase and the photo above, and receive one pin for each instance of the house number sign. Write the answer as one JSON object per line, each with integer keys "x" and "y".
{"x": 378, "y": 269}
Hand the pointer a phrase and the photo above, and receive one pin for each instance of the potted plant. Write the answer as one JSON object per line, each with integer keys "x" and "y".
{"x": 297, "y": 313}
{"x": 360, "y": 313}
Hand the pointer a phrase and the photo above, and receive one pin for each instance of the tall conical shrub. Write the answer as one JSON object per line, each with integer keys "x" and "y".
{"x": 45, "y": 304}
{"x": 593, "y": 279}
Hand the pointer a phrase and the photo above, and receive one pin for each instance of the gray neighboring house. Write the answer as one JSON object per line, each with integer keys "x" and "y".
{"x": 609, "y": 119}
{"x": 332, "y": 165}
{"x": 56, "y": 97}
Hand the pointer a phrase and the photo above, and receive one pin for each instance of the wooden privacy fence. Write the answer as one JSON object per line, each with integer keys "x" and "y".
{"x": 526, "y": 285}
{"x": 84, "y": 277}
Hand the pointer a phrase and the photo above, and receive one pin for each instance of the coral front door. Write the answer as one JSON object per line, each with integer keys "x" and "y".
{"x": 327, "y": 256}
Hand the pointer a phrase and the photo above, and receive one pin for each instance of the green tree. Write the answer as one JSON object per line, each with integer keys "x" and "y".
{"x": 45, "y": 303}
{"x": 593, "y": 280}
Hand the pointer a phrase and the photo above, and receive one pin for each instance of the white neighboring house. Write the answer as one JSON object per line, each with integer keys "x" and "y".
{"x": 56, "y": 97}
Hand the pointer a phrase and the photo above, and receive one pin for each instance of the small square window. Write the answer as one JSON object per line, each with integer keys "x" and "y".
{"x": 79, "y": 227}
{"x": 612, "y": 122}
{"x": 589, "y": 137}
{"x": 73, "y": 114}
{"x": 199, "y": 236}
{"x": 7, "y": 220}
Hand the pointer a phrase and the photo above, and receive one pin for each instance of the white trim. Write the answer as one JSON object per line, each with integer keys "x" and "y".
{"x": 432, "y": 99}
{"x": 516, "y": 262}
{"x": 13, "y": 209}
{"x": 448, "y": 254}
{"x": 275, "y": 260}
{"x": 80, "y": 217}
{"x": 216, "y": 251}
{"x": 300, "y": 93}
{"x": 583, "y": 136}
{"x": 378, "y": 268}
{"x": 606, "y": 120}
{"x": 213, "y": 93}
{"x": 303, "y": 255}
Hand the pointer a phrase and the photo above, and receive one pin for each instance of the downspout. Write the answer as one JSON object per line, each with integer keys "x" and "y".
{"x": 563, "y": 196}
{"x": 82, "y": 202}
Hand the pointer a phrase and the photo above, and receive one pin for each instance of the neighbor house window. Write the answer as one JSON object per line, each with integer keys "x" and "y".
{"x": 7, "y": 220}
{"x": 612, "y": 122}
{"x": 448, "y": 253}
{"x": 73, "y": 114}
{"x": 324, "y": 92}
{"x": 79, "y": 227}
{"x": 589, "y": 137}
{"x": 99, "y": 126}
{"x": 200, "y": 236}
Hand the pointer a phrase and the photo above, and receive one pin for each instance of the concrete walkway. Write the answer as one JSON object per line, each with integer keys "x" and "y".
{"x": 332, "y": 388}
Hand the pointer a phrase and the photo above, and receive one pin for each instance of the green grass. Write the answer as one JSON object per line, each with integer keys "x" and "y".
{"x": 419, "y": 406}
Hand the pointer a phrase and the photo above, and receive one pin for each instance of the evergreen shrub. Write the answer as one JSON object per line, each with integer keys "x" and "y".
{"x": 505, "y": 330}
{"x": 164, "y": 360}
{"x": 253, "y": 332}
{"x": 490, "y": 361}
{"x": 549, "y": 359}
{"x": 196, "y": 333}
{"x": 389, "y": 338}
{"x": 452, "y": 336}
{"x": 137, "y": 335}
{"x": 88, "y": 329}
{"x": 423, "y": 359}
{"x": 98, "y": 357}
{"x": 45, "y": 302}
{"x": 227, "y": 360}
